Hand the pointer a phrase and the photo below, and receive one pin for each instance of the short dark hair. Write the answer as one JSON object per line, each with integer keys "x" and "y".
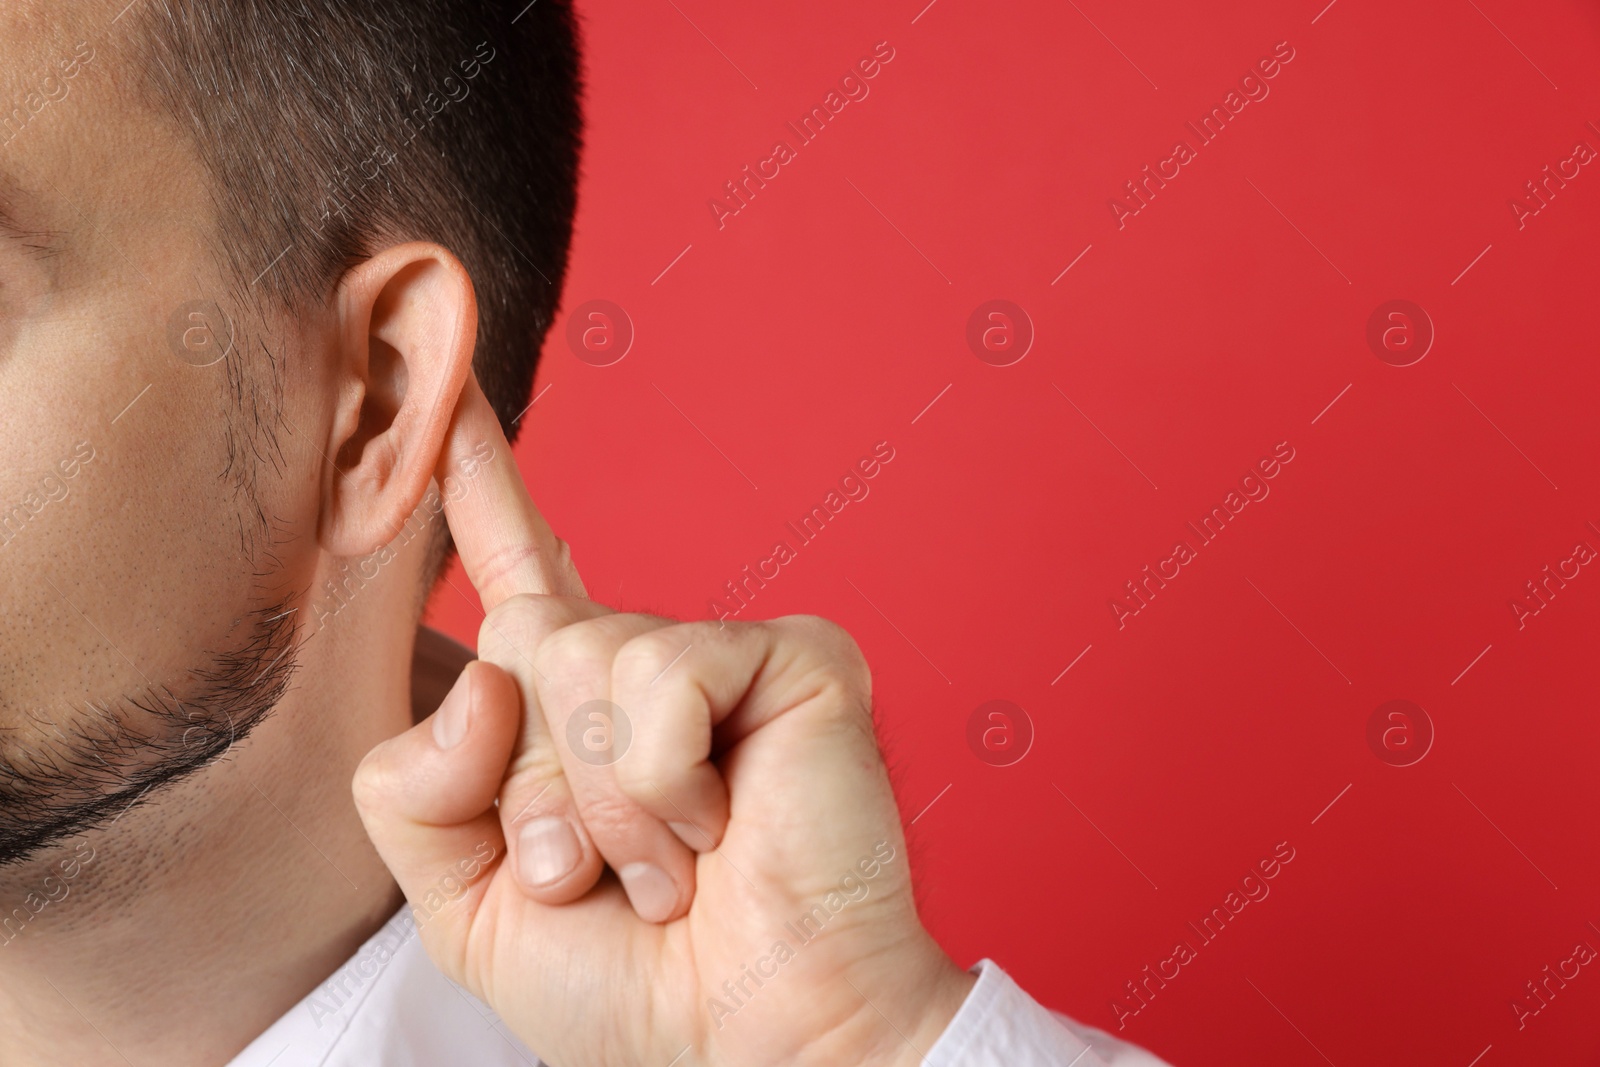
{"x": 329, "y": 127}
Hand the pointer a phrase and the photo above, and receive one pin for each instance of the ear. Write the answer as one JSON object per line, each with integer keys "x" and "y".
{"x": 407, "y": 322}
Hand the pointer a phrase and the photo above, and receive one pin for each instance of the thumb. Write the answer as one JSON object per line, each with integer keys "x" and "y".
{"x": 427, "y": 798}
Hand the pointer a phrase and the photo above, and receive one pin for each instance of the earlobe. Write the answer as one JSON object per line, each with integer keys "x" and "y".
{"x": 408, "y": 321}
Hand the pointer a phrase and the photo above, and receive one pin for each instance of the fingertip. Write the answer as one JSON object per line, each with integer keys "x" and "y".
{"x": 478, "y": 718}
{"x": 698, "y": 838}
{"x": 494, "y": 689}
{"x": 655, "y": 897}
{"x": 450, "y": 721}
{"x": 552, "y": 857}
{"x": 692, "y": 802}
{"x": 447, "y": 768}
{"x": 474, "y": 423}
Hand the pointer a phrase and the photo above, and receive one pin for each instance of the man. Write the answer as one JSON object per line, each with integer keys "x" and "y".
{"x": 257, "y": 259}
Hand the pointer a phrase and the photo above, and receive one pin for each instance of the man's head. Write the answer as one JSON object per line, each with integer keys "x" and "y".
{"x": 236, "y": 238}
{"x": 330, "y": 129}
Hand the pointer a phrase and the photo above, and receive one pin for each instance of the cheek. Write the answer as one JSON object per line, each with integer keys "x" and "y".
{"x": 139, "y": 569}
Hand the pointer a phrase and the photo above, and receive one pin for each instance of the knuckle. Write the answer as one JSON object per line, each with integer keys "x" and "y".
{"x": 574, "y": 652}
{"x": 832, "y": 652}
{"x": 534, "y": 768}
{"x": 513, "y": 627}
{"x": 639, "y": 772}
{"x": 520, "y": 625}
{"x": 567, "y": 569}
{"x": 646, "y": 655}
{"x": 609, "y": 815}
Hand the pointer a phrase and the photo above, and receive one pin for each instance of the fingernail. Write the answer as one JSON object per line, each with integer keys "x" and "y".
{"x": 547, "y": 851}
{"x": 653, "y": 894}
{"x": 450, "y": 721}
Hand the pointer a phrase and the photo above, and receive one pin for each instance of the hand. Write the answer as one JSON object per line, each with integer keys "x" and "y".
{"x": 761, "y": 910}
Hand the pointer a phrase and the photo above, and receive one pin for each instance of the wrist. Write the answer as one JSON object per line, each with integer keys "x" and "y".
{"x": 899, "y": 1022}
{"x": 904, "y": 1046}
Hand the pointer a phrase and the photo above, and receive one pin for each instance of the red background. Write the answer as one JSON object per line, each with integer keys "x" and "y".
{"x": 1224, "y": 318}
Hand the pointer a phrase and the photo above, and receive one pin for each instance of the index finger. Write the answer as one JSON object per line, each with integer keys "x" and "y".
{"x": 505, "y": 543}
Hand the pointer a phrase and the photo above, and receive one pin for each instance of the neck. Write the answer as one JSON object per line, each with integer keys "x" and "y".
{"x": 182, "y": 930}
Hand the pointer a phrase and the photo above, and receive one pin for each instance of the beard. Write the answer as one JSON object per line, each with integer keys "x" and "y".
{"x": 61, "y": 778}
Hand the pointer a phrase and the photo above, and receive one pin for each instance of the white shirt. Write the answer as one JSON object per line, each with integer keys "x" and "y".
{"x": 389, "y": 1006}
